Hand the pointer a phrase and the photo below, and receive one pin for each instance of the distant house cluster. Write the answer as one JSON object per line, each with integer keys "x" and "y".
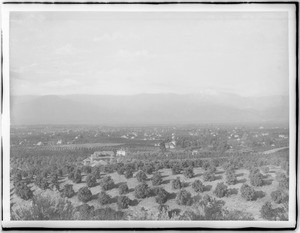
{"x": 103, "y": 157}
{"x": 172, "y": 144}
{"x": 121, "y": 152}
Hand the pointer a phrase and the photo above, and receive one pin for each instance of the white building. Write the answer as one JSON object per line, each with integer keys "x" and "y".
{"x": 121, "y": 152}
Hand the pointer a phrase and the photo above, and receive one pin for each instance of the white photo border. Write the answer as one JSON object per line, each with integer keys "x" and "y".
{"x": 288, "y": 7}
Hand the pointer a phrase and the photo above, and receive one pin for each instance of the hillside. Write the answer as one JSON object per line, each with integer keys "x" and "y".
{"x": 147, "y": 109}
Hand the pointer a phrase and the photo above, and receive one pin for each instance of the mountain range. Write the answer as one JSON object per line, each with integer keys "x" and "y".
{"x": 148, "y": 109}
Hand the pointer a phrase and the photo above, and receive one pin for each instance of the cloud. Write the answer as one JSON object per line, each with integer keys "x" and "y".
{"x": 65, "y": 83}
{"x": 116, "y": 36}
{"x": 67, "y": 49}
{"x": 25, "y": 68}
{"x": 127, "y": 54}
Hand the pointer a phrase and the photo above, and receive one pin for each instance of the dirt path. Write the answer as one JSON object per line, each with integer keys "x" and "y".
{"x": 274, "y": 150}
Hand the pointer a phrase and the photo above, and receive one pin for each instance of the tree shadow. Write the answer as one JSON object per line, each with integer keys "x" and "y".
{"x": 62, "y": 178}
{"x": 134, "y": 202}
{"x": 272, "y": 172}
{"x": 130, "y": 190}
{"x": 197, "y": 175}
{"x": 60, "y": 181}
{"x": 239, "y": 174}
{"x": 266, "y": 176}
{"x": 241, "y": 181}
{"x": 117, "y": 185}
{"x": 207, "y": 188}
{"x": 113, "y": 200}
{"x": 153, "y": 193}
{"x": 268, "y": 182}
{"x": 219, "y": 172}
{"x": 185, "y": 184}
{"x": 219, "y": 177}
{"x": 165, "y": 182}
{"x": 172, "y": 196}
{"x": 94, "y": 196}
{"x": 259, "y": 194}
{"x": 233, "y": 191}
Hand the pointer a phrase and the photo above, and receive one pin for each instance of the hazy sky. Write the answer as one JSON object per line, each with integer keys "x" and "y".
{"x": 131, "y": 53}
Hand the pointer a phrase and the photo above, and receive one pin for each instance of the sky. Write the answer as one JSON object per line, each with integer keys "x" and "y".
{"x": 127, "y": 53}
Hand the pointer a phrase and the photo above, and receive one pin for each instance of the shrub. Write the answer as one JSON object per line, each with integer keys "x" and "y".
{"x": 68, "y": 191}
{"x": 283, "y": 181}
{"x": 23, "y": 191}
{"x": 85, "y": 212}
{"x": 230, "y": 177}
{"x": 198, "y": 186}
{"x": 54, "y": 181}
{"x": 123, "y": 189}
{"x": 108, "y": 169}
{"x": 208, "y": 176}
{"x": 256, "y": 179}
{"x": 176, "y": 170}
{"x": 155, "y": 190}
{"x": 142, "y": 191}
{"x": 17, "y": 176}
{"x": 253, "y": 170}
{"x": 128, "y": 174}
{"x": 71, "y": 176}
{"x": 278, "y": 196}
{"x": 42, "y": 182}
{"x": 176, "y": 184}
{"x": 265, "y": 170}
{"x": 162, "y": 196}
{"x": 247, "y": 192}
{"x": 212, "y": 168}
{"x": 24, "y": 174}
{"x": 45, "y": 207}
{"x": 107, "y": 183}
{"x": 188, "y": 172}
{"x": 205, "y": 165}
{"x": 228, "y": 167}
{"x": 84, "y": 194}
{"x": 221, "y": 190}
{"x": 108, "y": 214}
{"x": 141, "y": 176}
{"x": 158, "y": 166}
{"x": 45, "y": 173}
{"x": 161, "y": 208}
{"x": 267, "y": 212}
{"x": 123, "y": 202}
{"x": 156, "y": 179}
{"x": 96, "y": 172}
{"x": 148, "y": 168}
{"x": 104, "y": 198}
{"x": 212, "y": 209}
{"x": 121, "y": 170}
{"x": 184, "y": 197}
{"x": 285, "y": 166}
{"x": 77, "y": 176}
{"x": 91, "y": 180}
{"x": 87, "y": 169}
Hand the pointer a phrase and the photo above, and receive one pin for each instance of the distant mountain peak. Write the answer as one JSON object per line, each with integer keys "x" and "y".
{"x": 169, "y": 108}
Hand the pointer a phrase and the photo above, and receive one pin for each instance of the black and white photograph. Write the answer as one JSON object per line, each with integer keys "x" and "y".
{"x": 149, "y": 115}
